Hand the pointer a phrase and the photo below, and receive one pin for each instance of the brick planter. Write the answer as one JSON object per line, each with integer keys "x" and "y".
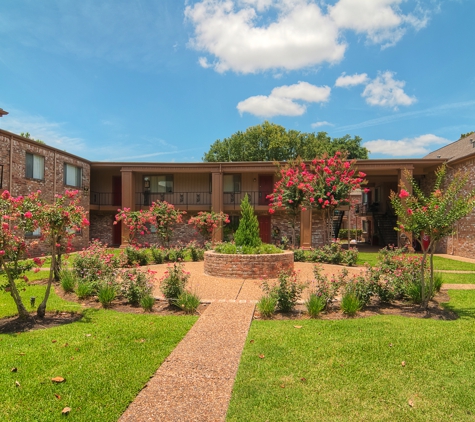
{"x": 248, "y": 266}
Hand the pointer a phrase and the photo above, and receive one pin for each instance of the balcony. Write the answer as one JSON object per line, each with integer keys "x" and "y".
{"x": 232, "y": 200}
{"x": 182, "y": 200}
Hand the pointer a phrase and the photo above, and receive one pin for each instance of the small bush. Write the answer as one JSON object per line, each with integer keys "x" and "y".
{"x": 323, "y": 287}
{"x": 136, "y": 284}
{"x": 231, "y": 249}
{"x": 438, "y": 281}
{"x": 266, "y": 306}
{"x": 175, "y": 254}
{"x": 350, "y": 304}
{"x": 300, "y": 255}
{"x": 158, "y": 255}
{"x": 315, "y": 305}
{"x": 247, "y": 233}
{"x": 196, "y": 253}
{"x": 84, "y": 289}
{"x": 343, "y": 233}
{"x": 173, "y": 283}
{"x": 287, "y": 292}
{"x": 106, "y": 293}
{"x": 136, "y": 256}
{"x": 147, "y": 303}
{"x": 68, "y": 281}
{"x": 335, "y": 254}
{"x": 188, "y": 301}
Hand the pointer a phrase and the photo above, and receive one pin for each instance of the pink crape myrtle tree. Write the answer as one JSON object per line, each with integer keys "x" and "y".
{"x": 59, "y": 222}
{"x": 137, "y": 223}
{"x": 290, "y": 191}
{"x": 323, "y": 185}
{"x": 164, "y": 216}
{"x": 18, "y": 216}
{"x": 434, "y": 215}
{"x": 205, "y": 223}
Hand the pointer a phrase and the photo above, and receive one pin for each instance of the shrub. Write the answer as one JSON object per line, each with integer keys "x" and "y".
{"x": 247, "y": 233}
{"x": 349, "y": 257}
{"x": 266, "y": 306}
{"x": 158, "y": 255}
{"x": 68, "y": 281}
{"x": 350, "y": 304}
{"x": 196, "y": 253}
{"x": 363, "y": 288}
{"x": 84, "y": 289}
{"x": 343, "y": 233}
{"x": 231, "y": 248}
{"x": 175, "y": 254}
{"x": 299, "y": 255}
{"x": 287, "y": 292}
{"x": 438, "y": 281}
{"x": 188, "y": 301}
{"x": 136, "y": 284}
{"x": 173, "y": 283}
{"x": 321, "y": 286}
{"x": 136, "y": 256}
{"x": 315, "y": 305}
{"x": 335, "y": 254}
{"x": 147, "y": 303}
{"x": 106, "y": 293}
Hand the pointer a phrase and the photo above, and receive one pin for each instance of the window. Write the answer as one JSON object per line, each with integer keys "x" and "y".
{"x": 35, "y": 166}
{"x": 72, "y": 175}
{"x": 36, "y": 233}
{"x": 232, "y": 183}
{"x": 161, "y": 184}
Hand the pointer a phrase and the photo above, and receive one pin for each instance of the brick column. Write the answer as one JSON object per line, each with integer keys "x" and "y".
{"x": 128, "y": 201}
{"x": 217, "y": 201}
{"x": 306, "y": 229}
{"x": 404, "y": 177}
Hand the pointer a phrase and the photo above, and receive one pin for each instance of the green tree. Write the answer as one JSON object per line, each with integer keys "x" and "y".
{"x": 247, "y": 233}
{"x": 272, "y": 142}
{"x": 434, "y": 215}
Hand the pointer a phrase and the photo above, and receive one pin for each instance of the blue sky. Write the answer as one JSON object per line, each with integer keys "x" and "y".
{"x": 139, "y": 80}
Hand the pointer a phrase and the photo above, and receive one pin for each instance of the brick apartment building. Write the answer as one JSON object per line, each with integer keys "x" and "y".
{"x": 27, "y": 166}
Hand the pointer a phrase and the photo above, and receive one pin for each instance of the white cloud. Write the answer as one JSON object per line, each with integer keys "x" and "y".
{"x": 245, "y": 40}
{"x": 282, "y": 100}
{"x": 385, "y": 91}
{"x": 323, "y": 123}
{"x": 51, "y": 133}
{"x": 351, "y": 80}
{"x": 381, "y": 20}
{"x": 407, "y": 147}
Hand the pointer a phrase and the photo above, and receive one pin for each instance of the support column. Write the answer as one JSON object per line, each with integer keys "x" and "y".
{"x": 217, "y": 202}
{"x": 306, "y": 229}
{"x": 404, "y": 178}
{"x": 128, "y": 196}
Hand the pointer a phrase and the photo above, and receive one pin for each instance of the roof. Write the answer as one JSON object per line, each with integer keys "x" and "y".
{"x": 456, "y": 150}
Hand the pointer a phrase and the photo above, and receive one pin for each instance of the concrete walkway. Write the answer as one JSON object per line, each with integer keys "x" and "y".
{"x": 195, "y": 382}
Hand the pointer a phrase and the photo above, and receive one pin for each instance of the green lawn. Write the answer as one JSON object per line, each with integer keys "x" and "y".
{"x": 458, "y": 278}
{"x": 106, "y": 359}
{"x": 440, "y": 263}
{"x": 351, "y": 370}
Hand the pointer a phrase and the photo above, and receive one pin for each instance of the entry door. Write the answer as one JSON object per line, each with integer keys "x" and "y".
{"x": 117, "y": 234}
{"x": 117, "y": 191}
{"x": 264, "y": 227}
{"x": 266, "y": 186}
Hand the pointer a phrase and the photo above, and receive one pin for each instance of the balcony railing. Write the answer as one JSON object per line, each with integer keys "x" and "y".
{"x": 178, "y": 199}
{"x": 255, "y": 198}
{"x": 181, "y": 199}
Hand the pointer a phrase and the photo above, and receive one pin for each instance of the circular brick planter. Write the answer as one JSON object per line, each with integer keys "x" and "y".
{"x": 248, "y": 266}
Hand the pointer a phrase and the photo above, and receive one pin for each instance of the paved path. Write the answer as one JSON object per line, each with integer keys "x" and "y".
{"x": 195, "y": 382}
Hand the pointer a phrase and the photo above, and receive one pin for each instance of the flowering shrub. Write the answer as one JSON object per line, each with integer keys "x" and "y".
{"x": 206, "y": 222}
{"x": 173, "y": 282}
{"x": 96, "y": 263}
{"x": 136, "y": 256}
{"x": 196, "y": 253}
{"x": 135, "y": 221}
{"x": 335, "y": 254}
{"x": 327, "y": 288}
{"x": 136, "y": 284}
{"x": 287, "y": 292}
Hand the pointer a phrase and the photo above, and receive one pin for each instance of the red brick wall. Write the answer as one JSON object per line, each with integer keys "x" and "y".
{"x": 248, "y": 266}
{"x": 101, "y": 227}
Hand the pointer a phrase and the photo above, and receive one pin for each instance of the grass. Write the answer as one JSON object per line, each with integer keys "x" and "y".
{"x": 449, "y": 278}
{"x": 352, "y": 369}
{"x": 106, "y": 359}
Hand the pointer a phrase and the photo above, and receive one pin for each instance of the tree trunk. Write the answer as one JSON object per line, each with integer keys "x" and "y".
{"x": 22, "y": 312}
{"x": 41, "y": 311}
{"x": 58, "y": 266}
{"x": 424, "y": 300}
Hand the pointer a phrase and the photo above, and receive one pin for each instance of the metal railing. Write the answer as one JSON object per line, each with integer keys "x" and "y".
{"x": 255, "y": 198}
{"x": 105, "y": 199}
{"x": 178, "y": 199}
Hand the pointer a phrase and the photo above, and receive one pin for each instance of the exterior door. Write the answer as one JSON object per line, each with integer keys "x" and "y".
{"x": 266, "y": 186}
{"x": 264, "y": 228}
{"x": 117, "y": 191}
{"x": 117, "y": 234}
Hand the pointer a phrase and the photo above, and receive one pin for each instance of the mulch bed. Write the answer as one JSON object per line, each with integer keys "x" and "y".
{"x": 401, "y": 308}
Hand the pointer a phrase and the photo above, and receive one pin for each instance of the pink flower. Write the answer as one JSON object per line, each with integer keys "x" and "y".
{"x": 409, "y": 211}
{"x": 2, "y": 253}
{"x": 271, "y": 211}
{"x": 403, "y": 194}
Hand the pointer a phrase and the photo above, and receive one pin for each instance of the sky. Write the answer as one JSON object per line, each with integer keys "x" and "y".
{"x": 161, "y": 80}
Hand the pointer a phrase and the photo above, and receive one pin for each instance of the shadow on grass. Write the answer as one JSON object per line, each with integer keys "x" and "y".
{"x": 462, "y": 302}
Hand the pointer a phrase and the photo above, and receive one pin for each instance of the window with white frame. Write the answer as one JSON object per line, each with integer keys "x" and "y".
{"x": 36, "y": 233}
{"x": 35, "y": 166}
{"x": 232, "y": 183}
{"x": 72, "y": 175}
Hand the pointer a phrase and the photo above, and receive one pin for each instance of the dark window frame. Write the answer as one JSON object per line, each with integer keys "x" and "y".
{"x": 29, "y": 166}
{"x": 78, "y": 175}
